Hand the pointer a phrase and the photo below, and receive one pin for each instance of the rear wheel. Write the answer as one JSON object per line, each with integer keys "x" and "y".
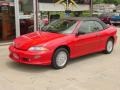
{"x": 60, "y": 58}
{"x": 109, "y": 46}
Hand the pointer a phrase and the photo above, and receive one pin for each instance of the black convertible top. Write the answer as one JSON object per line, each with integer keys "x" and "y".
{"x": 87, "y": 19}
{"x": 81, "y": 18}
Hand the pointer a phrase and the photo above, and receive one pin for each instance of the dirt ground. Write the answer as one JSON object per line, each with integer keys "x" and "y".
{"x": 93, "y": 72}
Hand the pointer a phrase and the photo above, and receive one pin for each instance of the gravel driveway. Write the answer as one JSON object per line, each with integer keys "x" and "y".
{"x": 93, "y": 72}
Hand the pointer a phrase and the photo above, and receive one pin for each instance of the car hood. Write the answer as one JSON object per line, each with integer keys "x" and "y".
{"x": 26, "y": 41}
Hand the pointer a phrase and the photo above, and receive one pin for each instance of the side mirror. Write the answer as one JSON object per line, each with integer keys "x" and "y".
{"x": 80, "y": 33}
{"x": 77, "y": 34}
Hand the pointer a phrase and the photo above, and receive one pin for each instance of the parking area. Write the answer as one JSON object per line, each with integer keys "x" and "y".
{"x": 92, "y": 72}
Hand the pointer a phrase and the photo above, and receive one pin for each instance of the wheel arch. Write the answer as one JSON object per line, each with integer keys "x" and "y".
{"x": 63, "y": 46}
{"x": 111, "y": 37}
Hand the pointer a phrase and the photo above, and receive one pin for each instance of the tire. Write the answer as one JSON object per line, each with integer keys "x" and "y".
{"x": 60, "y": 58}
{"x": 109, "y": 46}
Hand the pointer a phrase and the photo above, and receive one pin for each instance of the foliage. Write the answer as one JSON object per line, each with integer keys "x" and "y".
{"x": 98, "y": 1}
{"x": 116, "y": 2}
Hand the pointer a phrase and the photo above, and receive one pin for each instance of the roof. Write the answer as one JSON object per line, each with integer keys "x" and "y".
{"x": 87, "y": 19}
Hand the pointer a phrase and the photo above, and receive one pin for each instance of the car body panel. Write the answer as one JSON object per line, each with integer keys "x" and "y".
{"x": 104, "y": 35}
{"x": 28, "y": 57}
{"x": 115, "y": 20}
{"x": 28, "y": 40}
{"x": 106, "y": 17}
{"x": 84, "y": 44}
{"x": 78, "y": 45}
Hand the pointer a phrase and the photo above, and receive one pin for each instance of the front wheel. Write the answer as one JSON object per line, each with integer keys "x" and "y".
{"x": 109, "y": 46}
{"x": 60, "y": 58}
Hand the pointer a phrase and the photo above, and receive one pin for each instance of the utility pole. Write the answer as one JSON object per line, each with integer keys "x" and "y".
{"x": 67, "y": 8}
{"x": 17, "y": 18}
{"x": 35, "y": 9}
{"x": 91, "y": 7}
{"x": 67, "y": 5}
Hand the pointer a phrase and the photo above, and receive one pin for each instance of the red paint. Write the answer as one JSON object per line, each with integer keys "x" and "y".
{"x": 79, "y": 45}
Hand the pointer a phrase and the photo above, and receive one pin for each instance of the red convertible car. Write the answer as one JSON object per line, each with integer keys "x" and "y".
{"x": 62, "y": 40}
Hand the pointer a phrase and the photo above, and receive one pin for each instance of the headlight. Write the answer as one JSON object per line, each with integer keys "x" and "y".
{"x": 38, "y": 48}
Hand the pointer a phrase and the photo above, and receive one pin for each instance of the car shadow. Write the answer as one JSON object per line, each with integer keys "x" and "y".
{"x": 27, "y": 68}
{"x": 85, "y": 57}
{"x": 39, "y": 68}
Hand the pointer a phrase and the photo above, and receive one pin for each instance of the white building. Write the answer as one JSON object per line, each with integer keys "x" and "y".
{"x": 104, "y": 8}
{"x": 118, "y": 8}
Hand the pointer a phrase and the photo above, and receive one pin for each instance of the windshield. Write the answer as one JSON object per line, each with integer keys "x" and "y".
{"x": 61, "y": 26}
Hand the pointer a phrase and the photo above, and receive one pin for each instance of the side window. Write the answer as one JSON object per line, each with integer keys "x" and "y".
{"x": 86, "y": 27}
{"x": 98, "y": 26}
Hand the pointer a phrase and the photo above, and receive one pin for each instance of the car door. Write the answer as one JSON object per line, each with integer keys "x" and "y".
{"x": 102, "y": 35}
{"x": 87, "y": 40}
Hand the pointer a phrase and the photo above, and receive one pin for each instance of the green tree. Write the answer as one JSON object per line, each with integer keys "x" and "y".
{"x": 97, "y": 1}
{"x": 116, "y": 2}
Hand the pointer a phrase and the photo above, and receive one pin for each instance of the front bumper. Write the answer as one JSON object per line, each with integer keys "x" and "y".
{"x": 28, "y": 57}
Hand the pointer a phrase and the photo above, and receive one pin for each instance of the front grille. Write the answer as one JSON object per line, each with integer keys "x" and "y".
{"x": 26, "y": 59}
